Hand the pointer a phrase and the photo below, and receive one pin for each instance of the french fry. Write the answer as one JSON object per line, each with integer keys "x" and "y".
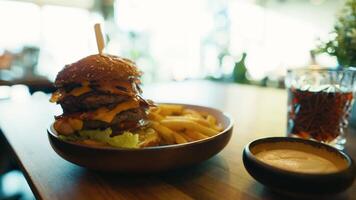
{"x": 173, "y": 124}
{"x": 192, "y": 113}
{"x": 195, "y": 135}
{"x": 154, "y": 109}
{"x": 168, "y": 109}
{"x": 196, "y": 119}
{"x": 155, "y": 116}
{"x": 151, "y": 139}
{"x": 218, "y": 127}
{"x": 181, "y": 124}
{"x": 179, "y": 139}
{"x": 211, "y": 120}
{"x": 189, "y": 139}
{"x": 166, "y": 133}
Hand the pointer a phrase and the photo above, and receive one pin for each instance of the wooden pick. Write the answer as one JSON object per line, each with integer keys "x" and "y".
{"x": 99, "y": 38}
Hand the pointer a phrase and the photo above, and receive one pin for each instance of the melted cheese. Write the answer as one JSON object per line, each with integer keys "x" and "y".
{"x": 56, "y": 96}
{"x": 59, "y": 94}
{"x": 76, "y": 124}
{"x": 80, "y": 90}
{"x": 107, "y": 87}
{"x": 106, "y": 115}
{"x": 67, "y": 126}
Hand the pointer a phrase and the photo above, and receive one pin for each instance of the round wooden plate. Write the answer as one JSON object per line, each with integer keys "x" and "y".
{"x": 146, "y": 160}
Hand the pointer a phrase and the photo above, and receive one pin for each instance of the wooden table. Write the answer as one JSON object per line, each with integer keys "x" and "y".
{"x": 258, "y": 112}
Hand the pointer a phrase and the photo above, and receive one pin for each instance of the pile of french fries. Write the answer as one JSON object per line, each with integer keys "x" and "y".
{"x": 176, "y": 124}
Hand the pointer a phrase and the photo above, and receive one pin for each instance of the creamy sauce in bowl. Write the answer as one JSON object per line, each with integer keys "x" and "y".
{"x": 297, "y": 161}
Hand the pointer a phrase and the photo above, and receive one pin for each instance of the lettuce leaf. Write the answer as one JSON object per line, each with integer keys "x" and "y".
{"x": 125, "y": 140}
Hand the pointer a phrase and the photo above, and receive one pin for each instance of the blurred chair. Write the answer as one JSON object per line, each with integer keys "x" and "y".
{"x": 25, "y": 63}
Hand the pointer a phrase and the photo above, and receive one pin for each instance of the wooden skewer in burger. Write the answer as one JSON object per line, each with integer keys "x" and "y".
{"x": 99, "y": 92}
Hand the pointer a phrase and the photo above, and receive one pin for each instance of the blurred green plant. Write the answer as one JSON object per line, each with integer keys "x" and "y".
{"x": 239, "y": 74}
{"x": 343, "y": 41}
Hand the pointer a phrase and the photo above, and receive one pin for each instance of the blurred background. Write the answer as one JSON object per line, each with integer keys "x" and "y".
{"x": 169, "y": 40}
{"x": 242, "y": 41}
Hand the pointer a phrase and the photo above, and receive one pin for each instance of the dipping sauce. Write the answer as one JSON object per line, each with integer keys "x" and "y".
{"x": 297, "y": 161}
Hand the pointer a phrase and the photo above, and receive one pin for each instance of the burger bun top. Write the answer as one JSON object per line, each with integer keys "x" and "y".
{"x": 98, "y": 68}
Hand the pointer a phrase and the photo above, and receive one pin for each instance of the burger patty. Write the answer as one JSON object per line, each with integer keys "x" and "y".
{"x": 90, "y": 101}
{"x": 126, "y": 120}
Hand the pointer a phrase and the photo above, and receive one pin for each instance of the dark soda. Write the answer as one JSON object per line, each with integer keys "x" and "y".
{"x": 321, "y": 115}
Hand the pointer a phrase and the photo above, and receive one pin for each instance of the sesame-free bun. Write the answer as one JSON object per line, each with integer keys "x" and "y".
{"x": 97, "y": 68}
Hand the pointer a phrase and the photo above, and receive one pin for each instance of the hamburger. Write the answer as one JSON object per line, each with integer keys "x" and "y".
{"x": 101, "y": 101}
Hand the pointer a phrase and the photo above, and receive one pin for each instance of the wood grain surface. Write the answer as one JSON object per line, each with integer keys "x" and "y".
{"x": 258, "y": 112}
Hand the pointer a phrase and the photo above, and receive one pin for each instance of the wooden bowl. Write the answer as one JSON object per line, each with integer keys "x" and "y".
{"x": 145, "y": 160}
{"x": 290, "y": 182}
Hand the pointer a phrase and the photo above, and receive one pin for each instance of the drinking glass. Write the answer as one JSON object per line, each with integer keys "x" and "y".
{"x": 319, "y": 104}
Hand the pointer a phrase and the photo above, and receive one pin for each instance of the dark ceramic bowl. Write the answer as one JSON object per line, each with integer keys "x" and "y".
{"x": 145, "y": 160}
{"x": 290, "y": 182}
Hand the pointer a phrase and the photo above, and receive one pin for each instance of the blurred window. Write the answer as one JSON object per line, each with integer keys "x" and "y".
{"x": 20, "y": 24}
{"x": 173, "y": 39}
{"x": 195, "y": 38}
{"x": 63, "y": 34}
